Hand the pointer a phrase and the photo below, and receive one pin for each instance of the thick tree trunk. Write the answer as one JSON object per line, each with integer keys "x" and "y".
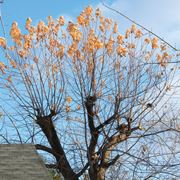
{"x": 97, "y": 174}
{"x": 63, "y": 165}
{"x": 101, "y": 174}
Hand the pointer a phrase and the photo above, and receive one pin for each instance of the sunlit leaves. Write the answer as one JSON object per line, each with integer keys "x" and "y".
{"x": 55, "y": 48}
{"x": 74, "y": 31}
{"x": 69, "y": 99}
{"x": 98, "y": 12}
{"x": 2, "y": 67}
{"x": 78, "y": 107}
{"x": 2, "y": 42}
{"x": 28, "y": 23}
{"x": 110, "y": 45}
{"x": 13, "y": 63}
{"x": 68, "y": 109}
{"x": 115, "y": 29}
{"x": 16, "y": 34}
{"x": 127, "y": 34}
{"x": 138, "y": 34}
{"x": 121, "y": 51}
{"x": 9, "y": 79}
{"x": 147, "y": 40}
{"x": 154, "y": 43}
{"x": 61, "y": 21}
{"x": 92, "y": 33}
{"x": 133, "y": 28}
{"x": 120, "y": 39}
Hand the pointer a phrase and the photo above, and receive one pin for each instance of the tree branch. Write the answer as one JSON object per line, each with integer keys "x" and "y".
{"x": 51, "y": 166}
{"x": 49, "y": 130}
{"x": 44, "y": 148}
{"x": 83, "y": 170}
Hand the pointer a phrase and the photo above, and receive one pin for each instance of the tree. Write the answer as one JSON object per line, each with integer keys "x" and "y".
{"x": 91, "y": 97}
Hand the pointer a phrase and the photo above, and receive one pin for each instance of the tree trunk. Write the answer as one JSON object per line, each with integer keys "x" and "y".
{"x": 97, "y": 174}
{"x": 63, "y": 165}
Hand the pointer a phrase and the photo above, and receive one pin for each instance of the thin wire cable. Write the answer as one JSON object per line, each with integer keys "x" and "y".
{"x": 131, "y": 20}
{"x": 1, "y": 20}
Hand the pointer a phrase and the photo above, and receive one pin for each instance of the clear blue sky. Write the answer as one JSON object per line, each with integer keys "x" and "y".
{"x": 161, "y": 16}
{"x": 19, "y": 10}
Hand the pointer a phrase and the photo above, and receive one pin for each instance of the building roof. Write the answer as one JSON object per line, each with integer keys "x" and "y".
{"x": 21, "y": 162}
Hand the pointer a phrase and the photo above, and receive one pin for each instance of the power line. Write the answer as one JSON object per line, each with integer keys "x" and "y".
{"x": 1, "y": 21}
{"x": 146, "y": 29}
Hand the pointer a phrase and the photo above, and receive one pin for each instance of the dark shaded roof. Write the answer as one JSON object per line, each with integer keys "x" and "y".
{"x": 21, "y": 162}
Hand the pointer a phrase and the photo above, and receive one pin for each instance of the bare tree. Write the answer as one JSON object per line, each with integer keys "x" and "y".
{"x": 91, "y": 98}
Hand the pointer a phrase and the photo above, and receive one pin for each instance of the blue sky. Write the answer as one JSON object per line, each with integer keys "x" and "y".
{"x": 19, "y": 10}
{"x": 161, "y": 16}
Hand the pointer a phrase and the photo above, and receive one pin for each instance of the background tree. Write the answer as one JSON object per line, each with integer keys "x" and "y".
{"x": 91, "y": 98}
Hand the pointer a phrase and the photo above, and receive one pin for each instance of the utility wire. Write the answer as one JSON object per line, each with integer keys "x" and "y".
{"x": 1, "y": 20}
{"x": 134, "y": 22}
